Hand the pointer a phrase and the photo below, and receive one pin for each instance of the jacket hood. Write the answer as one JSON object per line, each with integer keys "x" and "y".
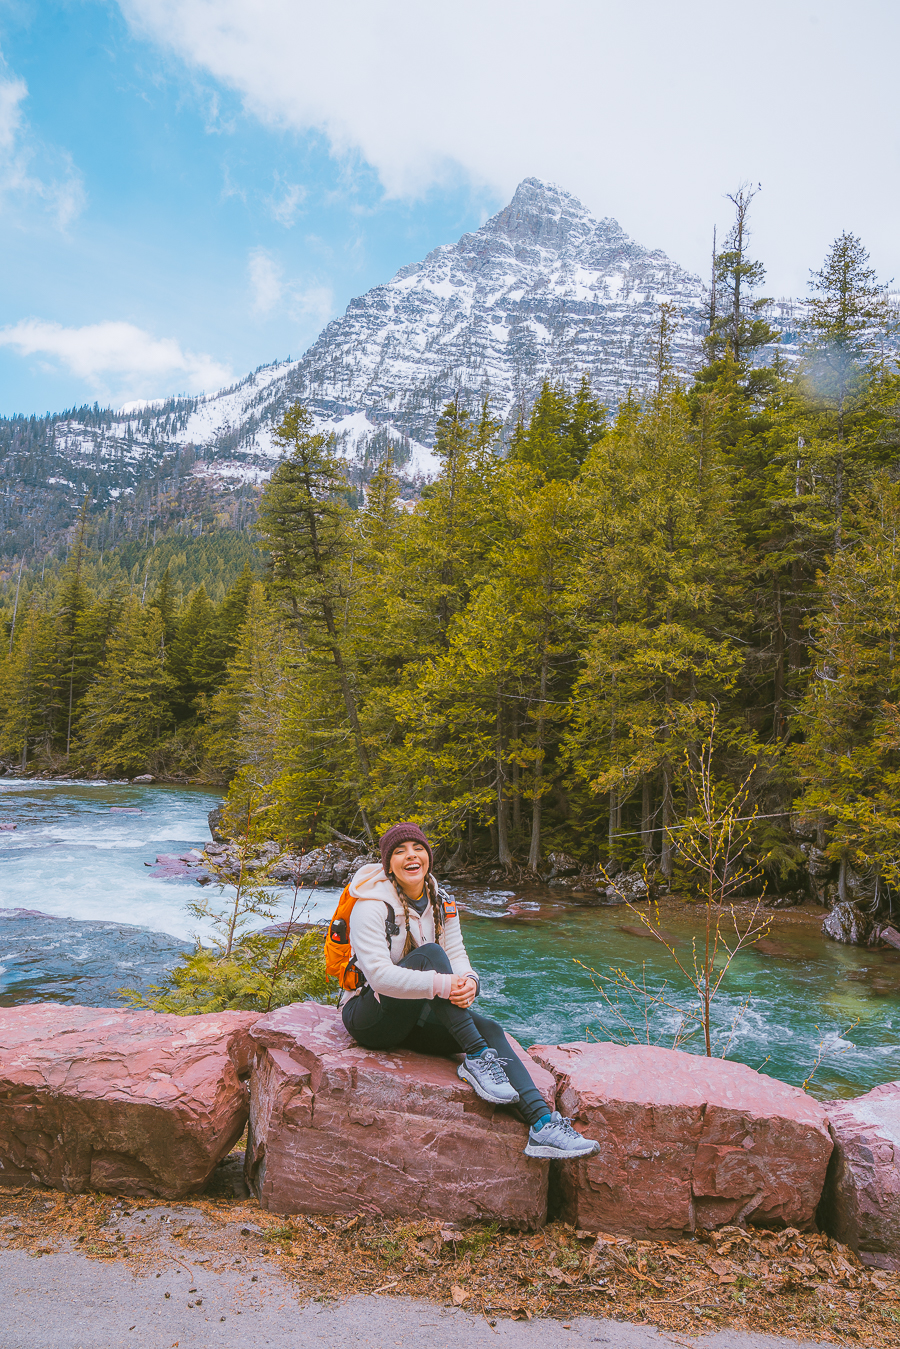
{"x": 370, "y": 882}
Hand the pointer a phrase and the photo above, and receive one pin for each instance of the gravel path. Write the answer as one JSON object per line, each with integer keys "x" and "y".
{"x": 65, "y": 1301}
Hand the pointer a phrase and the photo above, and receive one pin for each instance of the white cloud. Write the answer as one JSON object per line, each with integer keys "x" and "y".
{"x": 302, "y": 301}
{"x": 649, "y": 110}
{"x": 265, "y": 280}
{"x": 29, "y": 171}
{"x": 12, "y": 94}
{"x": 286, "y": 206}
{"x": 312, "y": 302}
{"x": 119, "y": 361}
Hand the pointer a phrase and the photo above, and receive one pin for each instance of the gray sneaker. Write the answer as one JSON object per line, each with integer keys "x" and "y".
{"x": 558, "y": 1139}
{"x": 486, "y": 1075}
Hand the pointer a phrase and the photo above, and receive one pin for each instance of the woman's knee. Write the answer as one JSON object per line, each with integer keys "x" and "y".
{"x": 429, "y": 956}
{"x": 492, "y": 1032}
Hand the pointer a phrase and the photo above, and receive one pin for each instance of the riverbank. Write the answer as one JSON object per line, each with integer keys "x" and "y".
{"x": 221, "y": 1255}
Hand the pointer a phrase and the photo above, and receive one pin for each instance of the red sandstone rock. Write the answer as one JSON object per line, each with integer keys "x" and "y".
{"x": 685, "y": 1142}
{"x": 335, "y": 1128}
{"x": 861, "y": 1204}
{"x": 129, "y": 1101}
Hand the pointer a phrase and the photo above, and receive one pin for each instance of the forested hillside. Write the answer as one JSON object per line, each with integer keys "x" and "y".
{"x": 531, "y": 656}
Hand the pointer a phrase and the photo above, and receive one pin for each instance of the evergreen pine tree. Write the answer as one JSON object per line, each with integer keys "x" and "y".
{"x": 736, "y": 321}
{"x": 662, "y": 568}
{"x": 849, "y": 759}
{"x": 189, "y": 654}
{"x": 560, "y": 431}
{"x": 166, "y": 604}
{"x": 303, "y": 521}
{"x": 845, "y": 396}
{"x": 127, "y": 709}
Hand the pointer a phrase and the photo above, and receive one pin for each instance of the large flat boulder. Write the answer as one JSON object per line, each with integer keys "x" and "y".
{"x": 685, "y": 1142}
{"x": 335, "y": 1128}
{"x": 861, "y": 1203}
{"x": 134, "y": 1102}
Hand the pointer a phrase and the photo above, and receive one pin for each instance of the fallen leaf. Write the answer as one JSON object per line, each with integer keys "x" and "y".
{"x": 520, "y": 1314}
{"x": 558, "y": 1276}
{"x": 459, "y": 1295}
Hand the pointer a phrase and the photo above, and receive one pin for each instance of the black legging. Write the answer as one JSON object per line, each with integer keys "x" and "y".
{"x": 395, "y": 1023}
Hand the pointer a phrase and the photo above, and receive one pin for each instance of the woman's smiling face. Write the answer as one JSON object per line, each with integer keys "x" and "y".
{"x": 409, "y": 863}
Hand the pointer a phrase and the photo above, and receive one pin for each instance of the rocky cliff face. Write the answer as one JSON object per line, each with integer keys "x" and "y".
{"x": 541, "y": 290}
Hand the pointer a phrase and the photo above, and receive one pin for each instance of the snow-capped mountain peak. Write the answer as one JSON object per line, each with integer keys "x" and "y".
{"x": 543, "y": 290}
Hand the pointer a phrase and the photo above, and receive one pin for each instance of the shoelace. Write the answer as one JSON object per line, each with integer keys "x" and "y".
{"x": 561, "y": 1122}
{"x": 567, "y": 1127}
{"x": 494, "y": 1066}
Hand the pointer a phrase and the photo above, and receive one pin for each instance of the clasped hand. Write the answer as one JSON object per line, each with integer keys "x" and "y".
{"x": 462, "y": 990}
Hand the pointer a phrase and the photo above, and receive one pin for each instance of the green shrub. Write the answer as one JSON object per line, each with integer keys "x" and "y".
{"x": 261, "y": 972}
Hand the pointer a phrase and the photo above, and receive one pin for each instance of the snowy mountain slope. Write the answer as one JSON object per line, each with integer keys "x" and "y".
{"x": 541, "y": 290}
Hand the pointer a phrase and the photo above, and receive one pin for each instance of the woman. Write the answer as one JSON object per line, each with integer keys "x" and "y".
{"x": 419, "y": 988}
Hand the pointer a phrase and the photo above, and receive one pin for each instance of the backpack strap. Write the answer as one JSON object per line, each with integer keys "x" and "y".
{"x": 390, "y": 925}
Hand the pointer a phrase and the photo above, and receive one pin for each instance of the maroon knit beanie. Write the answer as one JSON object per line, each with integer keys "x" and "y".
{"x": 402, "y": 833}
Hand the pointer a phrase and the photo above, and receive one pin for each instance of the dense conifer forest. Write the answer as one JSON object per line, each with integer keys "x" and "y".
{"x": 532, "y": 656}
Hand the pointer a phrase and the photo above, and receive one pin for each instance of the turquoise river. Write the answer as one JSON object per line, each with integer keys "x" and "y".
{"x": 95, "y": 920}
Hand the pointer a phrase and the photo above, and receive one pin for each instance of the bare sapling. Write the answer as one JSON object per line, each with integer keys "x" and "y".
{"x": 248, "y": 876}
{"x": 827, "y": 1050}
{"x": 712, "y": 842}
{"x": 288, "y": 950}
{"x": 255, "y": 970}
{"x": 631, "y": 1010}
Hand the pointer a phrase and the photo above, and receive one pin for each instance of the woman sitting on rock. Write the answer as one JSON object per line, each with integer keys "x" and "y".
{"x": 419, "y": 988}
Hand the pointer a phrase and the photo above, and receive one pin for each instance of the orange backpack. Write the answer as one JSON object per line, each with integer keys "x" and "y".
{"x": 340, "y": 962}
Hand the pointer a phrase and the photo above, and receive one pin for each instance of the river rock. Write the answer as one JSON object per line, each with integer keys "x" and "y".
{"x": 329, "y": 865}
{"x": 848, "y": 923}
{"x": 861, "y": 1203}
{"x": 685, "y": 1142}
{"x": 214, "y": 820}
{"x": 133, "y": 1102}
{"x": 335, "y": 1128}
{"x": 562, "y": 864}
{"x": 627, "y": 887}
{"x": 144, "y": 777}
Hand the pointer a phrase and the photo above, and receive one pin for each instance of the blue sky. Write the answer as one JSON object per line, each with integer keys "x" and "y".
{"x": 163, "y": 206}
{"x": 191, "y": 188}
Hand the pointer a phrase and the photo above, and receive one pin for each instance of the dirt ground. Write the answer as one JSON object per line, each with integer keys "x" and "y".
{"x": 780, "y": 1283}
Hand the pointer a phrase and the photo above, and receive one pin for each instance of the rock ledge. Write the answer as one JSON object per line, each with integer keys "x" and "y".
{"x": 335, "y": 1128}
{"x": 134, "y": 1102}
{"x": 686, "y": 1142}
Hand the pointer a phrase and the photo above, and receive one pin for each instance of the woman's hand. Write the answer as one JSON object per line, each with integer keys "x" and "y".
{"x": 462, "y": 990}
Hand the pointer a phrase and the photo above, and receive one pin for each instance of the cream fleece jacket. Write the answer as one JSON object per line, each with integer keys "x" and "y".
{"x": 386, "y": 976}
